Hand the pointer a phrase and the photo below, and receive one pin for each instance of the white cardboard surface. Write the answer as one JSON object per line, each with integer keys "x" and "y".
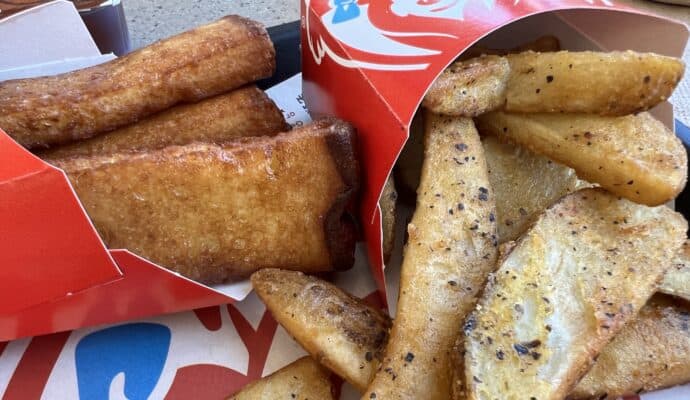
{"x": 54, "y": 67}
{"x": 49, "y": 32}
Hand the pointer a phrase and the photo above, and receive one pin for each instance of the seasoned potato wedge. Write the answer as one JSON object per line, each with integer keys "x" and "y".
{"x": 676, "y": 282}
{"x": 569, "y": 285}
{"x": 450, "y": 252}
{"x": 469, "y": 88}
{"x": 389, "y": 197}
{"x": 634, "y": 156}
{"x": 651, "y": 352}
{"x": 304, "y": 379}
{"x": 613, "y": 83}
{"x": 525, "y": 185}
{"x": 340, "y": 331}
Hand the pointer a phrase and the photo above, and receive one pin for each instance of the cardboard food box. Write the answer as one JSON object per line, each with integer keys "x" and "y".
{"x": 57, "y": 274}
{"x": 371, "y": 62}
{"x": 213, "y": 351}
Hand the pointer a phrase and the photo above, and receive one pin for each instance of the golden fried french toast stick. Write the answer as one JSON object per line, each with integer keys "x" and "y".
{"x": 220, "y": 212}
{"x": 650, "y": 353}
{"x": 243, "y": 112}
{"x": 188, "y": 67}
{"x": 450, "y": 252}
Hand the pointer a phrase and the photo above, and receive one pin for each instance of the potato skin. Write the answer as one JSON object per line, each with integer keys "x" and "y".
{"x": 525, "y": 184}
{"x": 469, "y": 88}
{"x": 304, "y": 379}
{"x": 613, "y": 83}
{"x": 652, "y": 352}
{"x": 340, "y": 331}
{"x": 220, "y": 212}
{"x": 450, "y": 251}
{"x": 634, "y": 156}
{"x": 568, "y": 286}
{"x": 200, "y": 63}
{"x": 243, "y": 112}
{"x": 676, "y": 282}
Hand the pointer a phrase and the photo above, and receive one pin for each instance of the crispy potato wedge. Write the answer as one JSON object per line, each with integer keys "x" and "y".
{"x": 340, "y": 331}
{"x": 525, "y": 185}
{"x": 304, "y": 379}
{"x": 612, "y": 83}
{"x": 389, "y": 197}
{"x": 652, "y": 352}
{"x": 676, "y": 282}
{"x": 469, "y": 88}
{"x": 563, "y": 292}
{"x": 450, "y": 252}
{"x": 635, "y": 156}
{"x": 541, "y": 44}
{"x": 215, "y": 213}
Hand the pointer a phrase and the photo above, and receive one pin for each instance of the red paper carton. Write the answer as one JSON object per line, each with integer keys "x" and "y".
{"x": 371, "y": 62}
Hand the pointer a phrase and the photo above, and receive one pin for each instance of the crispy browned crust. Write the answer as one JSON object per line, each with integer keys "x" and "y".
{"x": 469, "y": 88}
{"x": 652, "y": 352}
{"x": 338, "y": 224}
{"x": 341, "y": 331}
{"x": 191, "y": 66}
{"x": 243, "y": 112}
{"x": 304, "y": 379}
{"x": 220, "y": 212}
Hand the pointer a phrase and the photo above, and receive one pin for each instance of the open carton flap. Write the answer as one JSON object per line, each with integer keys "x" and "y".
{"x": 49, "y": 247}
{"x": 145, "y": 290}
{"x": 372, "y": 67}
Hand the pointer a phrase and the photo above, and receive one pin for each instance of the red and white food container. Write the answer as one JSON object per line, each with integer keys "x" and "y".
{"x": 371, "y": 62}
{"x": 55, "y": 272}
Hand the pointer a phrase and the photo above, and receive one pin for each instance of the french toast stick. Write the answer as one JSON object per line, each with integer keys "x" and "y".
{"x": 243, "y": 112}
{"x": 200, "y": 63}
{"x": 216, "y": 213}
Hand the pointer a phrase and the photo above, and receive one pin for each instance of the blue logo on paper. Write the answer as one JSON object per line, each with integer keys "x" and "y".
{"x": 139, "y": 350}
{"x": 345, "y": 10}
